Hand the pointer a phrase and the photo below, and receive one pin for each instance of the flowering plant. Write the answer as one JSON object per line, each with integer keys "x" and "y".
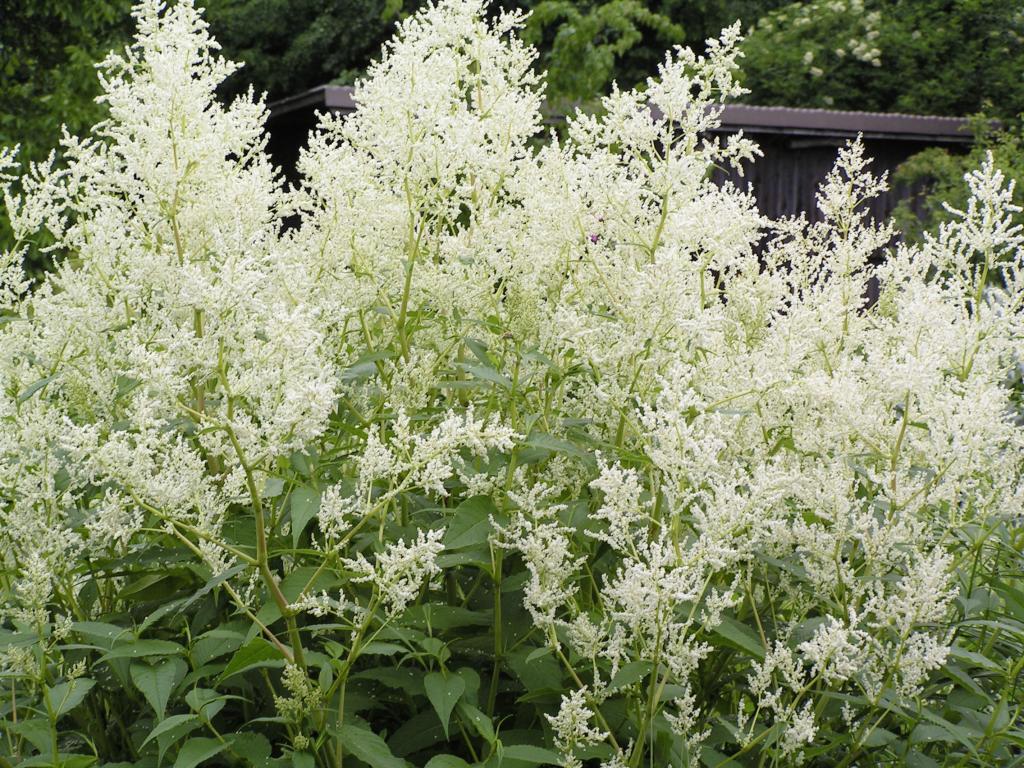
{"x": 507, "y": 452}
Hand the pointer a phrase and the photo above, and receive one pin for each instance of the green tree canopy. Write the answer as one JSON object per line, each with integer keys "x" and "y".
{"x": 917, "y": 56}
{"x": 291, "y": 45}
{"x": 47, "y": 76}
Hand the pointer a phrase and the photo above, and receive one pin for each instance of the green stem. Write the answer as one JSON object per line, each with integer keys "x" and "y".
{"x": 497, "y": 555}
{"x": 262, "y": 558}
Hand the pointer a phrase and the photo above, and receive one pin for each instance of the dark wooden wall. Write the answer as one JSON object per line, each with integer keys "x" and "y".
{"x": 785, "y": 181}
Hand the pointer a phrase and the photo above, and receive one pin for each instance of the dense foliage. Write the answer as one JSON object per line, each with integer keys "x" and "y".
{"x": 931, "y": 57}
{"x": 47, "y": 51}
{"x": 289, "y": 46}
{"x": 938, "y": 175}
{"x": 507, "y": 453}
{"x": 292, "y": 45}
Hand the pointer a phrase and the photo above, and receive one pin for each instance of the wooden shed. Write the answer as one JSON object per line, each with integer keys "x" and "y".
{"x": 799, "y": 145}
{"x": 800, "y": 148}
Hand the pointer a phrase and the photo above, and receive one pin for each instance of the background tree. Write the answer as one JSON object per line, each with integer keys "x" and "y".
{"x": 292, "y": 45}
{"x": 918, "y": 56}
{"x": 940, "y": 176}
{"x": 47, "y": 77}
{"x": 289, "y": 46}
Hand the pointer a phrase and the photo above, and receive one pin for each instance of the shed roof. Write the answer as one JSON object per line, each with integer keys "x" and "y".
{"x": 840, "y": 123}
{"x": 751, "y": 119}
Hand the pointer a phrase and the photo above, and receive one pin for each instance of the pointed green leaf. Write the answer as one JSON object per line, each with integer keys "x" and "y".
{"x": 487, "y": 374}
{"x": 740, "y": 636}
{"x": 528, "y": 753}
{"x": 257, "y": 652}
{"x": 34, "y": 387}
{"x": 538, "y": 653}
{"x": 629, "y": 673}
{"x": 35, "y": 731}
{"x": 305, "y": 506}
{"x": 481, "y": 723}
{"x": 169, "y": 724}
{"x": 206, "y": 702}
{"x": 197, "y": 750}
{"x": 446, "y": 761}
{"x": 444, "y": 693}
{"x": 471, "y": 523}
{"x": 156, "y": 681}
{"x": 66, "y": 696}
{"x": 369, "y": 747}
{"x": 140, "y": 649}
{"x": 253, "y": 747}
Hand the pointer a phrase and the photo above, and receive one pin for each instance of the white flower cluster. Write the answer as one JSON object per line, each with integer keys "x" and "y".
{"x": 826, "y": 15}
{"x": 400, "y": 571}
{"x": 766, "y": 439}
{"x": 572, "y": 727}
{"x": 174, "y": 349}
{"x": 406, "y": 458}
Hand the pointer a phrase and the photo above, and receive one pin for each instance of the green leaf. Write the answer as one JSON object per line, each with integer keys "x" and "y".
{"x": 879, "y": 737}
{"x": 974, "y": 659}
{"x": 253, "y": 747}
{"x": 66, "y": 696}
{"x": 471, "y": 523}
{"x": 194, "y": 751}
{"x": 273, "y": 487}
{"x": 34, "y": 387}
{"x": 257, "y": 652}
{"x": 159, "y": 613}
{"x": 97, "y": 630}
{"x": 481, "y": 723}
{"x": 369, "y": 747}
{"x": 305, "y": 506}
{"x": 926, "y": 732}
{"x": 740, "y": 636}
{"x": 173, "y": 736}
{"x": 140, "y": 649}
{"x": 915, "y": 759}
{"x": 629, "y": 673}
{"x": 447, "y": 617}
{"x": 206, "y": 702}
{"x": 446, "y": 761}
{"x": 415, "y": 734}
{"x": 479, "y": 350}
{"x": 64, "y": 760}
{"x": 212, "y": 584}
{"x": 951, "y": 731}
{"x": 169, "y": 724}
{"x": 377, "y": 648}
{"x": 528, "y": 753}
{"x": 487, "y": 374}
{"x": 143, "y": 583}
{"x": 156, "y": 681}
{"x": 551, "y": 444}
{"x": 538, "y": 675}
{"x": 216, "y": 643}
{"x": 444, "y": 693}
{"x": 405, "y": 679}
{"x": 365, "y": 366}
{"x": 35, "y": 731}
{"x": 538, "y": 653}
